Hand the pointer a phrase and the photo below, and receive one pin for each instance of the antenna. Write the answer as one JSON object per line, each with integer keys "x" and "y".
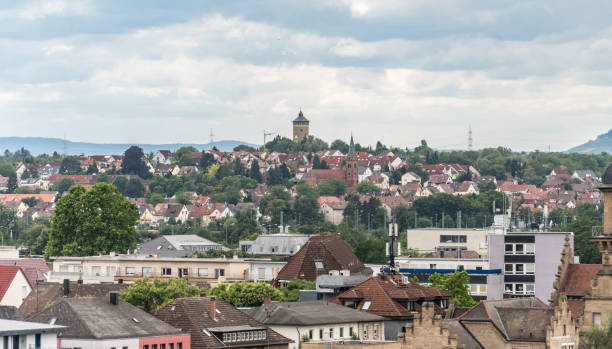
{"x": 212, "y": 136}
{"x": 65, "y": 146}
{"x": 265, "y": 135}
{"x": 470, "y": 138}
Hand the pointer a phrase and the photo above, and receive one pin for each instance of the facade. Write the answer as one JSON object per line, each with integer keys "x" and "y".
{"x": 109, "y": 322}
{"x": 318, "y": 321}
{"x": 529, "y": 260}
{"x": 14, "y": 286}
{"x": 447, "y": 239}
{"x": 126, "y": 268}
{"x": 213, "y": 323}
{"x": 264, "y": 270}
{"x": 29, "y": 335}
{"x": 300, "y": 128}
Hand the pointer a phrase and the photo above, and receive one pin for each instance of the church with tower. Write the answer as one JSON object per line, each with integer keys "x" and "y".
{"x": 301, "y": 127}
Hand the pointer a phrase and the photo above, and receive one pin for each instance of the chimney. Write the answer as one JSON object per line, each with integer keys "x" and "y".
{"x": 114, "y": 297}
{"x": 66, "y": 287}
{"x": 213, "y": 307}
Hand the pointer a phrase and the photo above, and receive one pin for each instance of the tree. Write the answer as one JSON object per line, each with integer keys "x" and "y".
{"x": 12, "y": 183}
{"x": 246, "y": 294}
{"x": 70, "y": 165}
{"x": 367, "y": 187}
{"x": 332, "y": 187}
{"x": 206, "y": 160}
{"x": 102, "y": 177}
{"x": 156, "y": 198}
{"x": 254, "y": 171}
{"x": 456, "y": 284}
{"x": 134, "y": 188}
{"x": 371, "y": 250}
{"x": 291, "y": 290}
{"x": 133, "y": 162}
{"x": 244, "y": 147}
{"x": 185, "y": 156}
{"x": 92, "y": 169}
{"x": 183, "y": 198}
{"x": 600, "y": 337}
{"x": 62, "y": 184}
{"x": 31, "y": 201}
{"x": 121, "y": 183}
{"x": 91, "y": 222}
{"x": 583, "y": 246}
{"x": 154, "y": 294}
{"x": 339, "y": 145}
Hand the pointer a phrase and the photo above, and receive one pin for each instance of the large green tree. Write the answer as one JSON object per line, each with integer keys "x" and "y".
{"x": 600, "y": 337}
{"x": 456, "y": 284}
{"x": 246, "y": 294}
{"x": 332, "y": 187}
{"x": 90, "y": 222}
{"x": 152, "y": 295}
{"x": 70, "y": 165}
{"x": 133, "y": 162}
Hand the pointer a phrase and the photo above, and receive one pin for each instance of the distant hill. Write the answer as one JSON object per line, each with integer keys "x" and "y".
{"x": 39, "y": 145}
{"x": 603, "y": 143}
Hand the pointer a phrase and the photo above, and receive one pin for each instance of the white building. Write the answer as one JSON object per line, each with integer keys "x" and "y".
{"x": 449, "y": 239}
{"x": 28, "y": 335}
{"x": 14, "y": 287}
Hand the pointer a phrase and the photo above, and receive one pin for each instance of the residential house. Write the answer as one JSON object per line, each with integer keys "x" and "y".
{"x": 322, "y": 255}
{"x": 110, "y": 322}
{"x": 319, "y": 321}
{"x": 28, "y": 335}
{"x": 4, "y": 183}
{"x": 410, "y": 177}
{"x": 35, "y": 269}
{"x": 178, "y": 246}
{"x": 398, "y": 299}
{"x": 165, "y": 157}
{"x": 560, "y": 173}
{"x": 214, "y": 323}
{"x": 14, "y": 285}
{"x": 466, "y": 188}
{"x": 334, "y": 211}
{"x": 584, "y": 175}
{"x": 266, "y": 270}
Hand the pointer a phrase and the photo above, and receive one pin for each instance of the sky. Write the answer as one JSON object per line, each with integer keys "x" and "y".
{"x": 523, "y": 74}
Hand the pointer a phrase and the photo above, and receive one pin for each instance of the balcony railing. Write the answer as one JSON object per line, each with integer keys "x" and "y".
{"x": 599, "y": 230}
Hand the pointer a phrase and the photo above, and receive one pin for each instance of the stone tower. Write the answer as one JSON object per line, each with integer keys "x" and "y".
{"x": 352, "y": 167}
{"x": 603, "y": 237}
{"x": 300, "y": 128}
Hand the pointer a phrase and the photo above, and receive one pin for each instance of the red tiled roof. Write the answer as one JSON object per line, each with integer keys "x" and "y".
{"x": 7, "y": 274}
{"x": 331, "y": 250}
{"x": 578, "y": 279}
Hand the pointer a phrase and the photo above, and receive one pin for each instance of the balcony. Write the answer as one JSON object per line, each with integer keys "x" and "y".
{"x": 599, "y": 231}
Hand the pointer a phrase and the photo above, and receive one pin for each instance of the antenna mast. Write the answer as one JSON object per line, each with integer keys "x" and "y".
{"x": 212, "y": 136}
{"x": 470, "y": 138}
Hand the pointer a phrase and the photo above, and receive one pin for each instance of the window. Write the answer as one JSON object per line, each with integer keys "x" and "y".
{"x": 518, "y": 288}
{"x": 519, "y": 268}
{"x": 183, "y": 271}
{"x": 319, "y": 265}
{"x": 509, "y": 249}
{"x": 530, "y": 268}
{"x": 351, "y": 331}
{"x": 96, "y": 270}
{"x": 203, "y": 272}
{"x": 179, "y": 345}
{"x": 365, "y": 331}
{"x": 597, "y": 319}
{"x": 366, "y": 305}
{"x": 219, "y": 272}
{"x": 509, "y": 269}
{"x": 145, "y": 346}
{"x": 432, "y": 266}
{"x": 564, "y": 330}
{"x": 130, "y": 271}
{"x": 310, "y": 334}
{"x": 154, "y": 346}
{"x": 375, "y": 331}
{"x": 341, "y": 332}
{"x": 443, "y": 303}
{"x": 171, "y": 346}
{"x": 453, "y": 238}
{"x": 518, "y": 249}
{"x": 166, "y": 271}
{"x": 530, "y": 248}
{"x": 508, "y": 288}
{"x": 110, "y": 271}
{"x": 162, "y": 346}
{"x": 320, "y": 333}
{"x": 261, "y": 273}
{"x": 331, "y": 333}
{"x": 147, "y": 271}
{"x": 530, "y": 288}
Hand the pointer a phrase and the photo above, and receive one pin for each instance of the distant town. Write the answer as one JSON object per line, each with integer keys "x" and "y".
{"x": 304, "y": 244}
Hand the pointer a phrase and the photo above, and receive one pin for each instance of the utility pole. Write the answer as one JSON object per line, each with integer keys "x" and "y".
{"x": 392, "y": 249}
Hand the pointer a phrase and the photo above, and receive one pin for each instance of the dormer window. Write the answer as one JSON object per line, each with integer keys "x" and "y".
{"x": 319, "y": 265}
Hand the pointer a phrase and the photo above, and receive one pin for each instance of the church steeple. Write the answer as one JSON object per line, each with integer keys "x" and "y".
{"x": 351, "y": 152}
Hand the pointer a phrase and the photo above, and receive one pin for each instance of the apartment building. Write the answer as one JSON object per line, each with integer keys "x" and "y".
{"x": 113, "y": 267}
{"x": 447, "y": 239}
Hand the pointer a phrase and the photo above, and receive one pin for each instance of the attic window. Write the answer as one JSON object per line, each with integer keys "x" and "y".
{"x": 135, "y": 320}
{"x": 366, "y": 305}
{"x": 319, "y": 264}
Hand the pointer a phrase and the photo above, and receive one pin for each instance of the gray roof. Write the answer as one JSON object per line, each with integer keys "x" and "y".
{"x": 300, "y": 118}
{"x": 283, "y": 244}
{"x": 97, "y": 318}
{"x": 178, "y": 245}
{"x": 308, "y": 313}
{"x": 9, "y": 312}
{"x": 14, "y": 327}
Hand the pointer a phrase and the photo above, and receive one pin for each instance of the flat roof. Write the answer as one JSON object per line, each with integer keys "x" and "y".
{"x": 14, "y": 327}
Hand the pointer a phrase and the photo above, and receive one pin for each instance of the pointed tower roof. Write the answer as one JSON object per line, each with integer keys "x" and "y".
{"x": 301, "y": 118}
{"x": 351, "y": 152}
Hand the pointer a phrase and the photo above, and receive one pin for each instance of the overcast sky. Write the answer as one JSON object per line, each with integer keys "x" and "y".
{"x": 524, "y": 74}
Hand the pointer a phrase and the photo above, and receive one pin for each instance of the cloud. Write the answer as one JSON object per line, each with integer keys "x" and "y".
{"x": 168, "y": 83}
{"x": 40, "y": 9}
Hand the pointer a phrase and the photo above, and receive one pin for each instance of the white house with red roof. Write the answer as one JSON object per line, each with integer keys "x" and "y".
{"x": 14, "y": 286}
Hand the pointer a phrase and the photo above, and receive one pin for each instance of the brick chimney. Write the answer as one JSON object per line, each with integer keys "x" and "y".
{"x": 213, "y": 307}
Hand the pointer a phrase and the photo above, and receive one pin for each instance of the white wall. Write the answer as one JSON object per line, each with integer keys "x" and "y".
{"x": 47, "y": 341}
{"x": 17, "y": 291}
{"x": 131, "y": 343}
{"x": 426, "y": 240}
{"x": 297, "y": 332}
